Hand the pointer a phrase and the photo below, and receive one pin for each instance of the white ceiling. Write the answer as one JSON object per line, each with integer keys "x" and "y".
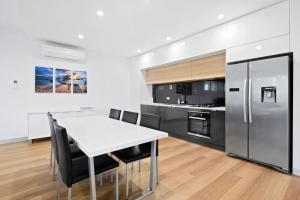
{"x": 127, "y": 25}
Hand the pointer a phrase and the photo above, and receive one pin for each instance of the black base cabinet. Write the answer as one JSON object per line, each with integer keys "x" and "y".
{"x": 174, "y": 120}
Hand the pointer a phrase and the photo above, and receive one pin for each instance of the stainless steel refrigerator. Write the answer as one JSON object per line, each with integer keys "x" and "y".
{"x": 258, "y": 110}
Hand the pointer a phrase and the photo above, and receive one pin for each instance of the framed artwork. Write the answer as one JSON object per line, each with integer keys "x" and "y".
{"x": 79, "y": 80}
{"x": 43, "y": 79}
{"x": 62, "y": 81}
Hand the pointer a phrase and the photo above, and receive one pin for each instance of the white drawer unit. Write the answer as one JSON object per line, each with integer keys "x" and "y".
{"x": 38, "y": 126}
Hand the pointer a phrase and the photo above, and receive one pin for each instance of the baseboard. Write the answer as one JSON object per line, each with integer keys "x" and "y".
{"x": 21, "y": 139}
{"x": 296, "y": 171}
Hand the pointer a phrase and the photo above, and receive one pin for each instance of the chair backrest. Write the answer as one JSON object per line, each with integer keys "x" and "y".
{"x": 130, "y": 117}
{"x": 153, "y": 122}
{"x": 150, "y": 121}
{"x": 51, "y": 120}
{"x": 64, "y": 154}
{"x": 114, "y": 114}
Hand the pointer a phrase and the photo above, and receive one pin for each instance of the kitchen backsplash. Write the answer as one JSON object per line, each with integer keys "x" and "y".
{"x": 197, "y": 92}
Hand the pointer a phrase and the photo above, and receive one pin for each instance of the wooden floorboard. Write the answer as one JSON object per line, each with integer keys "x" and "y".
{"x": 187, "y": 172}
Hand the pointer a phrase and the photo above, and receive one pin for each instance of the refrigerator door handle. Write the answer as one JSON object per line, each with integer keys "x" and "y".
{"x": 250, "y": 101}
{"x": 245, "y": 101}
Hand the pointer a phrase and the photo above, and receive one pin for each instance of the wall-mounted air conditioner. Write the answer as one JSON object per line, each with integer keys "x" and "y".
{"x": 64, "y": 53}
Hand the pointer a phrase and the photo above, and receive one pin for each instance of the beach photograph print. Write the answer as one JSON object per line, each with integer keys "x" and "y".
{"x": 43, "y": 79}
{"x": 79, "y": 79}
{"x": 62, "y": 81}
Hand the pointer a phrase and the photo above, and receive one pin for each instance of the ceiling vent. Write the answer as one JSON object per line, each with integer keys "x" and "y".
{"x": 64, "y": 53}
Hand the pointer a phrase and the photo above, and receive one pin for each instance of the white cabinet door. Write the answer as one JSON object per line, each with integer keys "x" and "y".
{"x": 258, "y": 49}
{"x": 264, "y": 24}
{"x": 38, "y": 126}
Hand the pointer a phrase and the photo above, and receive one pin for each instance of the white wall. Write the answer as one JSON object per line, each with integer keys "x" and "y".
{"x": 295, "y": 47}
{"x": 108, "y": 83}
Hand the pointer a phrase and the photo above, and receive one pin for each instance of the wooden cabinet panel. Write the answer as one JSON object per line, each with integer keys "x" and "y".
{"x": 154, "y": 76}
{"x": 203, "y": 68}
{"x": 210, "y": 67}
{"x": 178, "y": 72}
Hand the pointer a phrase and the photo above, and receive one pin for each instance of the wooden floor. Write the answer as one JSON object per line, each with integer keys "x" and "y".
{"x": 187, "y": 171}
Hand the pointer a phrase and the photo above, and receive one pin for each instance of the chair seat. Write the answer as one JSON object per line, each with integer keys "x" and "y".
{"x": 146, "y": 147}
{"x": 102, "y": 164}
{"x": 132, "y": 154}
{"x": 75, "y": 151}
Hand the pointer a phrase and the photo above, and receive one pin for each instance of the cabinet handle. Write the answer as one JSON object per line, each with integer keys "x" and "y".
{"x": 199, "y": 118}
{"x": 245, "y": 101}
{"x": 250, "y": 101}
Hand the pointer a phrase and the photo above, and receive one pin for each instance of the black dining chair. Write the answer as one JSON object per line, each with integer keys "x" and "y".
{"x": 130, "y": 117}
{"x": 75, "y": 151}
{"x": 153, "y": 122}
{"x": 73, "y": 170}
{"x": 114, "y": 114}
{"x": 139, "y": 152}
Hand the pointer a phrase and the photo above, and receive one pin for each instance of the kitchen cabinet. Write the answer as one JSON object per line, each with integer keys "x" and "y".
{"x": 264, "y": 24}
{"x": 174, "y": 120}
{"x": 217, "y": 129}
{"x": 209, "y": 67}
{"x": 199, "y": 69}
{"x": 154, "y": 76}
{"x": 273, "y": 46}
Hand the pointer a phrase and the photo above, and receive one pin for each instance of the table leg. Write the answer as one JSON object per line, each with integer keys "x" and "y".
{"x": 152, "y": 165}
{"x": 92, "y": 179}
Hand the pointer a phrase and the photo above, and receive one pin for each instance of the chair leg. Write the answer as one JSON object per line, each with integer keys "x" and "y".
{"x": 51, "y": 156}
{"x": 111, "y": 177}
{"x": 157, "y": 172}
{"x": 101, "y": 180}
{"x": 58, "y": 186}
{"x": 139, "y": 166}
{"x": 117, "y": 184}
{"x": 132, "y": 165}
{"x": 126, "y": 177}
{"x": 54, "y": 170}
{"x": 70, "y": 193}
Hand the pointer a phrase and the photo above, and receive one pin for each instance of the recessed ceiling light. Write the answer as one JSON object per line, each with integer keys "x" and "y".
{"x": 80, "y": 36}
{"x": 100, "y": 13}
{"x": 258, "y": 47}
{"x": 221, "y": 16}
{"x": 182, "y": 43}
{"x": 168, "y": 38}
{"x": 139, "y": 51}
{"x": 152, "y": 54}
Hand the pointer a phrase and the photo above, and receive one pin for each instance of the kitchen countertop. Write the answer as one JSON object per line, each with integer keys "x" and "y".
{"x": 186, "y": 106}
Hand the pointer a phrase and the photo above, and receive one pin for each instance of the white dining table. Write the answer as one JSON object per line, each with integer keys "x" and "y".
{"x": 97, "y": 135}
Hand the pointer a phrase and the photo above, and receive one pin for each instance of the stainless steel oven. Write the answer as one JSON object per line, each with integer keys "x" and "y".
{"x": 199, "y": 124}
